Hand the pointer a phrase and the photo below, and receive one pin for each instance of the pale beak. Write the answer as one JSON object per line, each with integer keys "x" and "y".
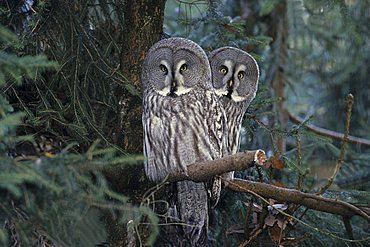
{"x": 173, "y": 89}
{"x": 230, "y": 83}
{"x": 230, "y": 88}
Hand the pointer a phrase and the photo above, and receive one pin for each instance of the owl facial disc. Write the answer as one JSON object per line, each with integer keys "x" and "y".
{"x": 232, "y": 75}
{"x": 174, "y": 79}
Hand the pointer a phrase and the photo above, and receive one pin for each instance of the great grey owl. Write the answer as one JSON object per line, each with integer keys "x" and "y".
{"x": 183, "y": 123}
{"x": 235, "y": 77}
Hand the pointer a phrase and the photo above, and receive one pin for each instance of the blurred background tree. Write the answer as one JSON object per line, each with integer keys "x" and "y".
{"x": 311, "y": 54}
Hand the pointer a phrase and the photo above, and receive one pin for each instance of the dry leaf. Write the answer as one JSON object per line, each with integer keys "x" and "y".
{"x": 270, "y": 220}
{"x": 275, "y": 233}
{"x": 276, "y": 163}
{"x": 282, "y": 223}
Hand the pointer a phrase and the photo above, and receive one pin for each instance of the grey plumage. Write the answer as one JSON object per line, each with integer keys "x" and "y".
{"x": 183, "y": 123}
{"x": 235, "y": 77}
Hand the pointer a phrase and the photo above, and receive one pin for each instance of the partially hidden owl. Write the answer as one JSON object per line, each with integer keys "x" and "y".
{"x": 235, "y": 76}
{"x": 183, "y": 123}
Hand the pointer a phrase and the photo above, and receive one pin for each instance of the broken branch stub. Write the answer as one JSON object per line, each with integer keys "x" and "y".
{"x": 203, "y": 171}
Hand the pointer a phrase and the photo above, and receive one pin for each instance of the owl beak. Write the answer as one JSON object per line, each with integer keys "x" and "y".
{"x": 173, "y": 89}
{"x": 230, "y": 87}
{"x": 230, "y": 83}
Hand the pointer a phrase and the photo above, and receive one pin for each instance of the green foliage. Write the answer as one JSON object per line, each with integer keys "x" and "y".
{"x": 65, "y": 196}
{"x": 62, "y": 193}
{"x": 330, "y": 230}
{"x": 16, "y": 68}
{"x": 329, "y": 46}
{"x": 62, "y": 197}
{"x": 209, "y": 25}
{"x": 268, "y": 6}
{"x": 80, "y": 99}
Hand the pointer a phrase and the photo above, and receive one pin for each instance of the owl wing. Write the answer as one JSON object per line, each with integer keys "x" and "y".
{"x": 217, "y": 133}
{"x": 149, "y": 154}
{"x": 216, "y": 122}
{"x": 154, "y": 145}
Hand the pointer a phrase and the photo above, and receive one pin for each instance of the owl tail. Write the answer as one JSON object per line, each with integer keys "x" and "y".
{"x": 192, "y": 201}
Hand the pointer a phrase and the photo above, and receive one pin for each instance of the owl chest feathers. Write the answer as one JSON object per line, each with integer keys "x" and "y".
{"x": 234, "y": 113}
{"x": 178, "y": 132}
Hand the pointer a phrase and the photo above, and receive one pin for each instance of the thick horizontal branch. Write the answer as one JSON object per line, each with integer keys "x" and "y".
{"x": 204, "y": 171}
{"x": 329, "y": 133}
{"x": 308, "y": 200}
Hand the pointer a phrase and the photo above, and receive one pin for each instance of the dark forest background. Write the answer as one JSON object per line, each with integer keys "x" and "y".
{"x": 70, "y": 115}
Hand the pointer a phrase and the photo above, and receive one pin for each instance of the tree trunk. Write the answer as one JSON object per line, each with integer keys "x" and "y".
{"x": 143, "y": 21}
{"x": 143, "y": 27}
{"x": 278, "y": 27}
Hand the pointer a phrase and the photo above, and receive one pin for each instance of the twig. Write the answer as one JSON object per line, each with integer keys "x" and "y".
{"x": 13, "y": 236}
{"x": 253, "y": 237}
{"x": 299, "y": 161}
{"x": 223, "y": 227}
{"x": 343, "y": 149}
{"x": 348, "y": 226}
{"x": 247, "y": 218}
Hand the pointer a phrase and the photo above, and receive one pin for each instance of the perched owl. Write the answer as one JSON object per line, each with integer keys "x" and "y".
{"x": 235, "y": 76}
{"x": 184, "y": 123}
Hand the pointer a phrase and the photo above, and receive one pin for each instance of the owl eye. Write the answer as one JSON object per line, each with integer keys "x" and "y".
{"x": 241, "y": 75}
{"x": 223, "y": 70}
{"x": 183, "y": 67}
{"x": 163, "y": 69}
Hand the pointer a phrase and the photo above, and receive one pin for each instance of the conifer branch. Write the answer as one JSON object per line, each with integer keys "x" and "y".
{"x": 329, "y": 133}
{"x": 308, "y": 200}
{"x": 343, "y": 149}
{"x": 348, "y": 226}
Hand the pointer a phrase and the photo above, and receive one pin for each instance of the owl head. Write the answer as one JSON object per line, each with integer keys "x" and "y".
{"x": 235, "y": 74}
{"x": 174, "y": 67}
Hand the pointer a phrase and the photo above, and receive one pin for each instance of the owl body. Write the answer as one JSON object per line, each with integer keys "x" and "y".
{"x": 176, "y": 132}
{"x": 235, "y": 77}
{"x": 184, "y": 123}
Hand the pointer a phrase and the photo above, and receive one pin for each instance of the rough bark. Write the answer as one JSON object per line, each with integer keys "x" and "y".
{"x": 143, "y": 27}
{"x": 204, "y": 171}
{"x": 143, "y": 21}
{"x": 136, "y": 186}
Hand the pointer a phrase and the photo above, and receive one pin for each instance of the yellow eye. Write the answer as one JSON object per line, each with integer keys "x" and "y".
{"x": 183, "y": 67}
{"x": 163, "y": 68}
{"x": 241, "y": 75}
{"x": 223, "y": 70}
